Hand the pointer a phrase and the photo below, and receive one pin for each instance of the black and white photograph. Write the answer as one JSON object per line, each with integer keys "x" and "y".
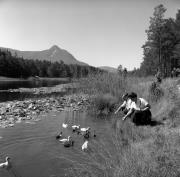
{"x": 89, "y": 88}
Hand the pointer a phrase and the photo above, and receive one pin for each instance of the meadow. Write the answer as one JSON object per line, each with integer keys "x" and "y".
{"x": 130, "y": 150}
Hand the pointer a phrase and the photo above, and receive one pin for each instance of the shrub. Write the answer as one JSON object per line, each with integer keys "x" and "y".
{"x": 156, "y": 92}
{"x": 104, "y": 104}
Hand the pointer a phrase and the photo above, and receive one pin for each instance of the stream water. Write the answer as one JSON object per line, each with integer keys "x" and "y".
{"x": 6, "y": 95}
{"x": 5, "y": 85}
{"x": 34, "y": 150}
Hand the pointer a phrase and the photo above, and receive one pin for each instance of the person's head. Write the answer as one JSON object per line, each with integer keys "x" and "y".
{"x": 125, "y": 96}
{"x": 133, "y": 96}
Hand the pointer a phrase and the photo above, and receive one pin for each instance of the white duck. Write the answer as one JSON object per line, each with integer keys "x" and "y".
{"x": 75, "y": 127}
{"x": 64, "y": 125}
{"x": 5, "y": 164}
{"x": 65, "y": 139}
{"x": 85, "y": 146}
{"x": 85, "y": 129}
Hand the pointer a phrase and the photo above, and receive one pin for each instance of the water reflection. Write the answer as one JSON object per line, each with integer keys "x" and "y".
{"x": 5, "y": 85}
{"x": 6, "y": 95}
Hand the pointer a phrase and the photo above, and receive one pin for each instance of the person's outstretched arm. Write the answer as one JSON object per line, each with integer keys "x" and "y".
{"x": 128, "y": 114}
{"x": 120, "y": 107}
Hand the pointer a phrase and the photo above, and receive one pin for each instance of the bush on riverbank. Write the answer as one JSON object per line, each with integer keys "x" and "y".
{"x": 106, "y": 90}
{"x": 104, "y": 104}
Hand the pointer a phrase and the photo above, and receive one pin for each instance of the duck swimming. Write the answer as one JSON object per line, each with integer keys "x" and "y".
{"x": 85, "y": 129}
{"x": 64, "y": 125}
{"x": 94, "y": 134}
{"x": 69, "y": 143}
{"x": 59, "y": 136}
{"x": 65, "y": 139}
{"x": 75, "y": 127}
{"x": 5, "y": 164}
{"x": 85, "y": 146}
{"x": 87, "y": 134}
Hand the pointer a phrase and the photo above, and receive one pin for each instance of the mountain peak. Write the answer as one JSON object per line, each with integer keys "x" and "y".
{"x": 53, "y": 54}
{"x": 54, "y": 47}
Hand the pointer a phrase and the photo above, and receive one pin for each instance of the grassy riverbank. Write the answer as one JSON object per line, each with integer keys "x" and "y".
{"x": 135, "y": 151}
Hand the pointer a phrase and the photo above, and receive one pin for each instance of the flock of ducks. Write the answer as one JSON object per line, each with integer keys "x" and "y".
{"x": 85, "y": 132}
{"x": 66, "y": 141}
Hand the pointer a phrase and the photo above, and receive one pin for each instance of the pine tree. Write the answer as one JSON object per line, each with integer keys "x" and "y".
{"x": 154, "y": 37}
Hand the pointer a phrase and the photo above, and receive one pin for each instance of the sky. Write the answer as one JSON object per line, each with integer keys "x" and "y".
{"x": 97, "y": 32}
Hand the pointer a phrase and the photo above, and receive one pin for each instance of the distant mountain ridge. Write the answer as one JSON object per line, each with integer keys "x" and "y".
{"x": 108, "y": 68}
{"x": 52, "y": 54}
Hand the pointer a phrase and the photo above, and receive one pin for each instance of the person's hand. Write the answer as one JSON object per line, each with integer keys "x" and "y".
{"x": 124, "y": 118}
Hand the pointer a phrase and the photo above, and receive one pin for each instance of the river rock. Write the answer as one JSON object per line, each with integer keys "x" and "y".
{"x": 15, "y": 111}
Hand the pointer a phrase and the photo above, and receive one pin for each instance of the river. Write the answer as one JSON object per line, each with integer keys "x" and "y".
{"x": 35, "y": 152}
{"x": 5, "y": 85}
{"x": 6, "y": 95}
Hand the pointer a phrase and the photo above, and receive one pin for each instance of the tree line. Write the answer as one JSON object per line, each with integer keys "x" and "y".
{"x": 161, "y": 51}
{"x": 17, "y": 67}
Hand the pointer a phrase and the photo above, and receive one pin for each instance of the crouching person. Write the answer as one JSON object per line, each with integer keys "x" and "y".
{"x": 139, "y": 110}
{"x": 124, "y": 107}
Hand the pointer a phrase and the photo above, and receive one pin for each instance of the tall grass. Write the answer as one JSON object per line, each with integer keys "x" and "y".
{"x": 103, "y": 83}
{"x": 107, "y": 89}
{"x": 127, "y": 150}
{"x": 130, "y": 152}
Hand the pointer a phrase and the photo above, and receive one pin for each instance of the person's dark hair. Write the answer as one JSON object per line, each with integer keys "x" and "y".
{"x": 132, "y": 95}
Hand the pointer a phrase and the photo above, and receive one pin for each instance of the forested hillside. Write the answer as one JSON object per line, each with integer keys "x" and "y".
{"x": 13, "y": 66}
{"x": 53, "y": 54}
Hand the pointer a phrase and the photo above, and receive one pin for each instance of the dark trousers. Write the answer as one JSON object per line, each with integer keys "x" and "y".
{"x": 141, "y": 117}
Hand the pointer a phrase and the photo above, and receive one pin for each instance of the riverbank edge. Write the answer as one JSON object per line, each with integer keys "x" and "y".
{"x": 8, "y": 79}
{"x": 12, "y": 112}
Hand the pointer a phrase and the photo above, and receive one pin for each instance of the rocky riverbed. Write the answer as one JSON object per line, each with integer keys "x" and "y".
{"x": 12, "y": 112}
